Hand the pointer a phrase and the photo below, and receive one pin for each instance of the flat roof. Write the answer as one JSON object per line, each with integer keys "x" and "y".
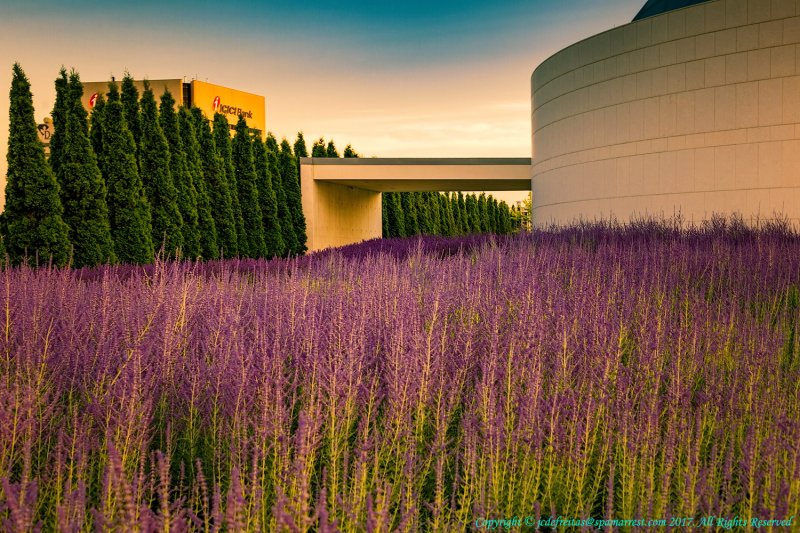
{"x": 415, "y": 161}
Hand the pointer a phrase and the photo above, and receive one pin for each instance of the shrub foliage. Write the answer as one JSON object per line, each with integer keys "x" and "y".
{"x": 408, "y": 385}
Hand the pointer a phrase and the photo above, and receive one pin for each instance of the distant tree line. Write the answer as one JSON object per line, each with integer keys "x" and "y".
{"x": 435, "y": 213}
{"x": 136, "y": 177}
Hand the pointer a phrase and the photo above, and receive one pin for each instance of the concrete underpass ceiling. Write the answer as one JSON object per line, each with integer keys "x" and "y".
{"x": 411, "y": 185}
{"x": 423, "y": 174}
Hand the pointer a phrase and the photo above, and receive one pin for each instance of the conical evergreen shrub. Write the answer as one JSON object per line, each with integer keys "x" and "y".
{"x": 272, "y": 143}
{"x": 218, "y": 188}
{"x": 331, "y": 151}
{"x": 59, "y": 117}
{"x": 284, "y": 213}
{"x": 83, "y": 193}
{"x": 456, "y": 212}
{"x": 385, "y": 216}
{"x": 483, "y": 213}
{"x": 222, "y": 138}
{"x": 409, "y": 206}
{"x": 96, "y": 134}
{"x": 273, "y": 235}
{"x": 423, "y": 213}
{"x": 133, "y": 116}
{"x": 33, "y": 208}
{"x": 291, "y": 184}
{"x": 181, "y": 177}
{"x": 446, "y": 214}
{"x": 394, "y": 215}
{"x": 433, "y": 209}
{"x": 128, "y": 207}
{"x": 154, "y": 167}
{"x": 300, "y": 149}
{"x": 465, "y": 222}
{"x": 318, "y": 149}
{"x": 206, "y": 227}
{"x": 242, "y": 154}
{"x": 473, "y": 214}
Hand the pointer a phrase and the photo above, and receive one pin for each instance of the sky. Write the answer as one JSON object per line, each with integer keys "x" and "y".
{"x": 393, "y": 79}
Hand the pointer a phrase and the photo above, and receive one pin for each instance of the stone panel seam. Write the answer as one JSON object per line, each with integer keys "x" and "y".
{"x": 704, "y": 146}
{"x": 680, "y": 193}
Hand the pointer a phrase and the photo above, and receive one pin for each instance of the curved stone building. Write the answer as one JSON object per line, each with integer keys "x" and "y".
{"x": 694, "y": 107}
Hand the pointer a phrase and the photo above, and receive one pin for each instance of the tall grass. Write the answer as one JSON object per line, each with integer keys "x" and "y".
{"x": 406, "y": 385}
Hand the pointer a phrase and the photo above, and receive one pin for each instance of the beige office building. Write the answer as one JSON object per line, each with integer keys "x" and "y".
{"x": 694, "y": 107}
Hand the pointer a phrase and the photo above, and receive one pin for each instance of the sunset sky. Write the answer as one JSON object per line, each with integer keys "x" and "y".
{"x": 404, "y": 79}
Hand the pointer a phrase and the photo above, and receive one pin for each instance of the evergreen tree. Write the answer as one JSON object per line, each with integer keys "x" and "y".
{"x": 167, "y": 223}
{"x": 494, "y": 215}
{"x": 446, "y": 214}
{"x": 300, "y": 149}
{"x": 222, "y": 138}
{"x": 433, "y": 209}
{"x": 128, "y": 207}
{"x": 385, "y": 216}
{"x": 291, "y": 186}
{"x": 465, "y": 222}
{"x": 331, "y": 151}
{"x": 473, "y": 217}
{"x": 273, "y": 235}
{"x": 505, "y": 217}
{"x": 206, "y": 227}
{"x": 515, "y": 222}
{"x": 181, "y": 177}
{"x": 59, "y": 116}
{"x": 271, "y": 143}
{"x": 409, "y": 207}
{"x": 284, "y": 213}
{"x": 349, "y": 152}
{"x": 242, "y": 155}
{"x": 133, "y": 116}
{"x": 318, "y": 150}
{"x": 218, "y": 187}
{"x": 423, "y": 213}
{"x": 33, "y": 210}
{"x": 499, "y": 217}
{"x": 83, "y": 195}
{"x": 483, "y": 214}
{"x": 3, "y": 233}
{"x": 456, "y": 212}
{"x": 394, "y": 215}
{"x": 96, "y": 134}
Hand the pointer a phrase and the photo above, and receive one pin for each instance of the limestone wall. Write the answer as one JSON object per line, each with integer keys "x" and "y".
{"x": 696, "y": 110}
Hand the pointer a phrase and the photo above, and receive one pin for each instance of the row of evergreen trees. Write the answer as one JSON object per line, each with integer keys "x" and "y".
{"x": 434, "y": 213}
{"x": 142, "y": 178}
{"x": 147, "y": 176}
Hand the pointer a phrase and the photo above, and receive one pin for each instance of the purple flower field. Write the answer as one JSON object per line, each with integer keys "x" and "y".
{"x": 409, "y": 385}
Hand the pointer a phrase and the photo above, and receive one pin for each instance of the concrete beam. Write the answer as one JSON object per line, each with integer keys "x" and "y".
{"x": 342, "y": 197}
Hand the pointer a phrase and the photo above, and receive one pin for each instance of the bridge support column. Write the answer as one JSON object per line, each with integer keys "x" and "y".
{"x": 336, "y": 214}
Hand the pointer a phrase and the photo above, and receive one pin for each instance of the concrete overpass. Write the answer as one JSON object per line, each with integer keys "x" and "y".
{"x": 342, "y": 197}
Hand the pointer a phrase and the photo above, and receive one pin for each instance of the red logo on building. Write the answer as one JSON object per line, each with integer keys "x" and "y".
{"x": 215, "y": 105}
{"x": 92, "y": 100}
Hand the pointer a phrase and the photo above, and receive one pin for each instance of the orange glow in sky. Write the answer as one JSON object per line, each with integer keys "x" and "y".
{"x": 452, "y": 80}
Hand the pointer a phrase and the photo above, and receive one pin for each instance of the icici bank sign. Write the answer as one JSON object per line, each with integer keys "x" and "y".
{"x": 226, "y": 109}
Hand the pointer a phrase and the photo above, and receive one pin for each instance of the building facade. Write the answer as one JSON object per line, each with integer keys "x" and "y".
{"x": 208, "y": 97}
{"x": 690, "y": 109}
